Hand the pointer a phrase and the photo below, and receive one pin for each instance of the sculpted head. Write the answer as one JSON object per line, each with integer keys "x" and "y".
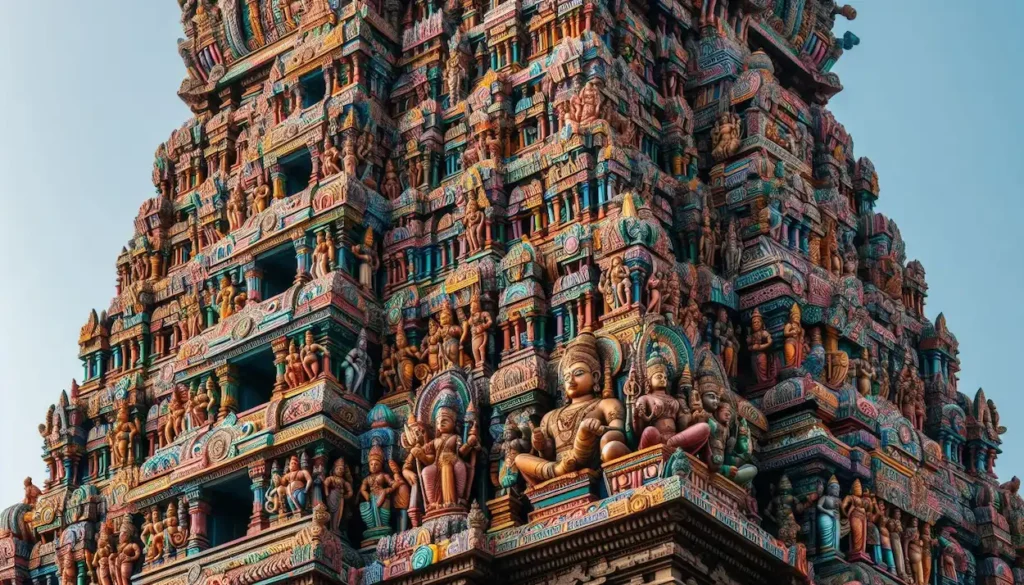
{"x": 444, "y": 420}
{"x": 581, "y": 367}
{"x": 657, "y": 373}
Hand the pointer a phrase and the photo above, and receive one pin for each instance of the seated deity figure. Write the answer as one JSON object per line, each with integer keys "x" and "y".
{"x": 589, "y": 429}
{"x": 663, "y": 419}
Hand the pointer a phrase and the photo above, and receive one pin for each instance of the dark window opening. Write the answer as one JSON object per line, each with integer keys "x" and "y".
{"x": 314, "y": 88}
{"x": 297, "y": 168}
{"x": 230, "y": 507}
{"x": 279, "y": 267}
{"x": 256, "y": 377}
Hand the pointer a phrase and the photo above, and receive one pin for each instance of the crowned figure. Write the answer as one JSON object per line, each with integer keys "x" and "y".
{"x": 589, "y": 429}
{"x": 446, "y": 462}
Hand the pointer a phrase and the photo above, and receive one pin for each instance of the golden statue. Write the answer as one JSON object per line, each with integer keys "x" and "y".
{"x": 122, "y": 437}
{"x": 226, "y": 297}
{"x": 584, "y": 432}
{"x": 794, "y": 338}
{"x": 261, "y": 195}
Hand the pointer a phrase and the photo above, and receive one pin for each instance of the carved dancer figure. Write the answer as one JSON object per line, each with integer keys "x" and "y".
{"x": 475, "y": 223}
{"x": 759, "y": 342}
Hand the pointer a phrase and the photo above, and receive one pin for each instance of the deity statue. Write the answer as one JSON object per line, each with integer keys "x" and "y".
{"x": 376, "y": 491}
{"x": 261, "y": 195}
{"x": 338, "y": 490}
{"x": 691, "y": 317}
{"x": 707, "y": 240}
{"x": 663, "y": 419}
{"x": 828, "y": 517}
{"x": 122, "y": 437}
{"x": 191, "y": 316}
{"x": 174, "y": 535}
{"x": 759, "y": 342}
{"x": 356, "y": 364}
{"x": 513, "y": 442}
{"x": 587, "y": 430}
{"x": 927, "y": 544}
{"x": 953, "y": 560}
{"x": 431, "y": 347}
{"x": 388, "y": 374}
{"x": 452, "y": 336}
{"x": 277, "y": 491}
{"x": 794, "y": 338}
{"x": 390, "y": 187}
{"x": 298, "y": 482}
{"x": 474, "y": 221}
{"x": 312, "y": 353}
{"x": 369, "y": 262}
{"x": 152, "y": 535}
{"x": 32, "y": 492}
{"x": 198, "y": 406}
{"x": 349, "y": 160}
{"x": 618, "y": 275}
{"x": 453, "y": 76}
{"x": 725, "y": 339}
{"x": 865, "y": 373}
{"x": 330, "y": 159}
{"x": 480, "y": 323}
{"x": 226, "y": 297}
{"x": 68, "y": 568}
{"x": 324, "y": 254}
{"x": 447, "y": 461}
{"x": 99, "y": 563}
{"x": 654, "y": 284}
{"x": 915, "y": 552}
{"x": 128, "y": 552}
{"x": 738, "y": 464}
{"x": 814, "y": 361}
{"x": 670, "y": 302}
{"x": 732, "y": 251}
{"x": 725, "y": 136}
{"x": 895, "y": 525}
{"x": 604, "y": 286}
{"x": 175, "y": 422}
{"x": 401, "y": 499}
{"x": 854, "y": 508}
{"x": 236, "y": 207}
{"x": 405, "y": 358}
{"x": 880, "y": 518}
{"x": 591, "y": 102}
{"x": 782, "y": 509}
{"x": 415, "y": 173}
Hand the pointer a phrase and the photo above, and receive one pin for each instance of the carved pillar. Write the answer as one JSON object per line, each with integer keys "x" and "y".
{"x": 280, "y": 347}
{"x": 198, "y": 510}
{"x": 302, "y": 258}
{"x": 227, "y": 378}
{"x": 257, "y": 474}
{"x": 253, "y": 282}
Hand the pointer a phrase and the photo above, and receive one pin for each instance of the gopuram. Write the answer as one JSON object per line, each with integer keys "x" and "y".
{"x": 540, "y": 292}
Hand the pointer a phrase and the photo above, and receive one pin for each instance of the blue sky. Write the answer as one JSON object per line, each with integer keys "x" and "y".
{"x": 89, "y": 91}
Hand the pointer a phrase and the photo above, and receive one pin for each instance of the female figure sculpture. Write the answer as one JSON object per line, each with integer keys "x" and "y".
{"x": 338, "y": 489}
{"x": 587, "y": 430}
{"x": 480, "y": 323}
{"x": 128, "y": 551}
{"x": 828, "y": 518}
{"x": 356, "y": 364}
{"x": 794, "y": 336}
{"x": 854, "y": 508}
{"x": 376, "y": 491}
{"x": 759, "y": 342}
{"x": 323, "y": 254}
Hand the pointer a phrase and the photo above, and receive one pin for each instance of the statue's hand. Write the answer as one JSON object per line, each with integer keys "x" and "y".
{"x": 591, "y": 426}
{"x": 539, "y": 440}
